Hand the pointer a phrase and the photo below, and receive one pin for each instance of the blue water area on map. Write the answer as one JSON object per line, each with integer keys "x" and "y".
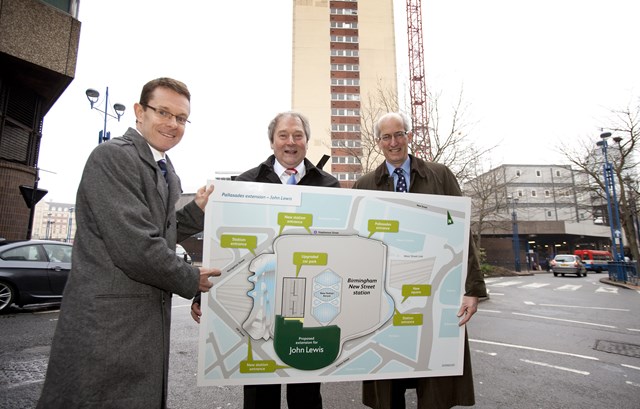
{"x": 264, "y": 290}
{"x": 324, "y": 216}
{"x": 243, "y": 214}
{"x": 406, "y": 241}
{"x": 400, "y": 339}
{"x": 449, "y": 323}
{"x": 450, "y": 287}
{"x": 225, "y": 336}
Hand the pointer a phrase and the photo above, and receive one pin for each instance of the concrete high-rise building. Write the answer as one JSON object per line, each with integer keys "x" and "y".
{"x": 38, "y": 52}
{"x": 344, "y": 54}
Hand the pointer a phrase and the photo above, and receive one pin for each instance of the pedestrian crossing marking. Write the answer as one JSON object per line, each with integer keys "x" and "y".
{"x": 506, "y": 283}
{"x": 535, "y": 285}
{"x": 568, "y": 287}
{"x": 610, "y": 290}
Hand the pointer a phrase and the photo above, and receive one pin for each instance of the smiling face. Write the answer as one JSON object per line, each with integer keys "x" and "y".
{"x": 162, "y": 133}
{"x": 289, "y": 141}
{"x": 396, "y": 149}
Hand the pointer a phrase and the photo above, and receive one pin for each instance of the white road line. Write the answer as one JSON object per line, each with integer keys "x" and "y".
{"x": 494, "y": 311}
{"x": 535, "y": 285}
{"x": 484, "y": 352}
{"x": 505, "y": 283}
{"x": 585, "y": 308}
{"x": 563, "y": 320}
{"x": 568, "y": 287}
{"x": 633, "y": 383}
{"x": 529, "y": 303}
{"x": 492, "y": 293}
{"x": 611, "y": 290}
{"x": 562, "y": 368}
{"x": 592, "y": 358}
{"x": 631, "y": 367}
{"x": 633, "y": 329}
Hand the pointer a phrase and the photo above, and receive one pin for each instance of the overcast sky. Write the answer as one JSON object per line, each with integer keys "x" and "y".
{"x": 534, "y": 73}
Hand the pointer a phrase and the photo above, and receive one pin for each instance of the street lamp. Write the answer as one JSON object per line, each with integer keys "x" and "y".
{"x": 49, "y": 230}
{"x": 516, "y": 236}
{"x": 612, "y": 200}
{"x": 70, "y": 224}
{"x": 92, "y": 96}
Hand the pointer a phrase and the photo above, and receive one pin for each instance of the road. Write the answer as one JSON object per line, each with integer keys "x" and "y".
{"x": 538, "y": 342}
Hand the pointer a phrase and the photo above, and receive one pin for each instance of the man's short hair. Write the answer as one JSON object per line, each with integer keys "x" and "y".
{"x": 302, "y": 118}
{"x": 163, "y": 82}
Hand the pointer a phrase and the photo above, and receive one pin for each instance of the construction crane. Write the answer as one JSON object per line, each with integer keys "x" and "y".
{"x": 421, "y": 143}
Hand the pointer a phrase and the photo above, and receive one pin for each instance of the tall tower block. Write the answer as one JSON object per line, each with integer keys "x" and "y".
{"x": 343, "y": 53}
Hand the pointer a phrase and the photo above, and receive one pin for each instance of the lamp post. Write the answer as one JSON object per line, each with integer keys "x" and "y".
{"x": 92, "y": 96}
{"x": 48, "y": 232}
{"x": 516, "y": 236}
{"x": 70, "y": 224}
{"x": 612, "y": 200}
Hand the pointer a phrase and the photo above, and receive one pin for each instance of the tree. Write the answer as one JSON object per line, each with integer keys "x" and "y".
{"x": 622, "y": 153}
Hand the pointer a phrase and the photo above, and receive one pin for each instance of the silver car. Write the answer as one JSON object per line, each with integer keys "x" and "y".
{"x": 568, "y": 264}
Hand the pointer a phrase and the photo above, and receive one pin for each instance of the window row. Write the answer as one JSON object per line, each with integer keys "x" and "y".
{"x": 345, "y": 67}
{"x": 350, "y": 160}
{"x": 547, "y": 193}
{"x": 344, "y": 53}
{"x": 345, "y": 128}
{"x": 344, "y": 12}
{"x": 345, "y": 97}
{"x": 345, "y": 81}
{"x": 344, "y": 39}
{"x": 538, "y": 173}
{"x": 345, "y": 112}
{"x": 344, "y": 24}
{"x": 345, "y": 143}
{"x": 347, "y": 176}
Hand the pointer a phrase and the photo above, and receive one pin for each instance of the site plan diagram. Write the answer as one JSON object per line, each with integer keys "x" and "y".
{"x": 324, "y": 284}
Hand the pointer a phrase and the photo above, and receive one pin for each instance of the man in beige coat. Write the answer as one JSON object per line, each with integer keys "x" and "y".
{"x": 404, "y": 172}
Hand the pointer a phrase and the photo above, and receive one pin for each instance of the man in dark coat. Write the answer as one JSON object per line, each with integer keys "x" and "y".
{"x": 289, "y": 134}
{"x": 404, "y": 172}
{"x": 111, "y": 344}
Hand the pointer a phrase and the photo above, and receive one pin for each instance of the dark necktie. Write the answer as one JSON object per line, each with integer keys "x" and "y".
{"x": 162, "y": 164}
{"x": 292, "y": 176}
{"x": 401, "y": 186}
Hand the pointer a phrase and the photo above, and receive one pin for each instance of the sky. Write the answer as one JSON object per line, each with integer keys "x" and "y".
{"x": 533, "y": 74}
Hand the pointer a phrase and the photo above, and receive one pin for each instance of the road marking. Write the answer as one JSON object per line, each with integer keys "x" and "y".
{"x": 562, "y": 368}
{"x": 633, "y": 329}
{"x": 505, "y": 283}
{"x": 632, "y": 383}
{"x": 563, "y": 320}
{"x": 484, "y": 352}
{"x": 535, "y": 285}
{"x": 492, "y": 293}
{"x": 568, "y": 287}
{"x": 631, "y": 366}
{"x": 482, "y": 310}
{"x": 529, "y": 303}
{"x": 592, "y": 358}
{"x": 586, "y": 308}
{"x": 610, "y": 290}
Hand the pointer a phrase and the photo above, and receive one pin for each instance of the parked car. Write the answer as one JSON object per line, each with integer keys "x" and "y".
{"x": 182, "y": 253}
{"x": 33, "y": 271}
{"x": 568, "y": 264}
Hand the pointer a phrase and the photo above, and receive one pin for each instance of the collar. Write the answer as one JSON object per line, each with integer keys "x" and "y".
{"x": 406, "y": 167}
{"x": 279, "y": 169}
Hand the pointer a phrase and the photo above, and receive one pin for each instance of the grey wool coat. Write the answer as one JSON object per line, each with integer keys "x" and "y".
{"x": 111, "y": 344}
{"x": 436, "y": 392}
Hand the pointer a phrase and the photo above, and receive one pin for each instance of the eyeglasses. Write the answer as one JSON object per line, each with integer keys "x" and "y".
{"x": 180, "y": 119}
{"x": 397, "y": 135}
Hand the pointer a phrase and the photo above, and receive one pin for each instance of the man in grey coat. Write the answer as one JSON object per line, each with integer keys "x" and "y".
{"x": 111, "y": 345}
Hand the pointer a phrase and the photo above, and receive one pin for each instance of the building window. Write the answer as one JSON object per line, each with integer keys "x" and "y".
{"x": 548, "y": 213}
{"x": 557, "y": 173}
{"x": 344, "y": 12}
{"x": 345, "y": 97}
{"x": 520, "y": 194}
{"x": 349, "y": 160}
{"x": 344, "y": 39}
{"x": 345, "y": 128}
{"x": 533, "y": 193}
{"x": 344, "y": 24}
{"x": 346, "y": 176}
{"x": 547, "y": 193}
{"x": 538, "y": 173}
{"x": 345, "y": 81}
{"x": 345, "y": 143}
{"x": 518, "y": 173}
{"x": 345, "y": 112}
{"x": 344, "y": 53}
{"x": 345, "y": 67}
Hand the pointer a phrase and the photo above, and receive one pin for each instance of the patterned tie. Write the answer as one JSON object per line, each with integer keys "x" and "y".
{"x": 401, "y": 186}
{"x": 292, "y": 176}
{"x": 162, "y": 164}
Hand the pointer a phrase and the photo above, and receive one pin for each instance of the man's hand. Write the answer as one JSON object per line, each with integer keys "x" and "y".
{"x": 205, "y": 273}
{"x": 468, "y": 308}
{"x": 196, "y": 312}
{"x": 202, "y": 196}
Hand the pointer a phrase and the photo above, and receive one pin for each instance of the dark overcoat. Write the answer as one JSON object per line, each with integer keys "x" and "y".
{"x": 436, "y": 392}
{"x": 111, "y": 344}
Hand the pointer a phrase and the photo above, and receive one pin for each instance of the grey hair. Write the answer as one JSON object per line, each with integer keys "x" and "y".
{"x": 405, "y": 122}
{"x": 302, "y": 118}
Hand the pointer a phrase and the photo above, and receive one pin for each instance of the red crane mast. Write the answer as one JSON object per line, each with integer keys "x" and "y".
{"x": 421, "y": 143}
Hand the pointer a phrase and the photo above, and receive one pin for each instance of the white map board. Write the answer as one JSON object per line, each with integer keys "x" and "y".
{"x": 324, "y": 284}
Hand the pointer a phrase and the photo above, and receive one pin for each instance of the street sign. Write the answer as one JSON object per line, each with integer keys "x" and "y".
{"x": 30, "y": 197}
